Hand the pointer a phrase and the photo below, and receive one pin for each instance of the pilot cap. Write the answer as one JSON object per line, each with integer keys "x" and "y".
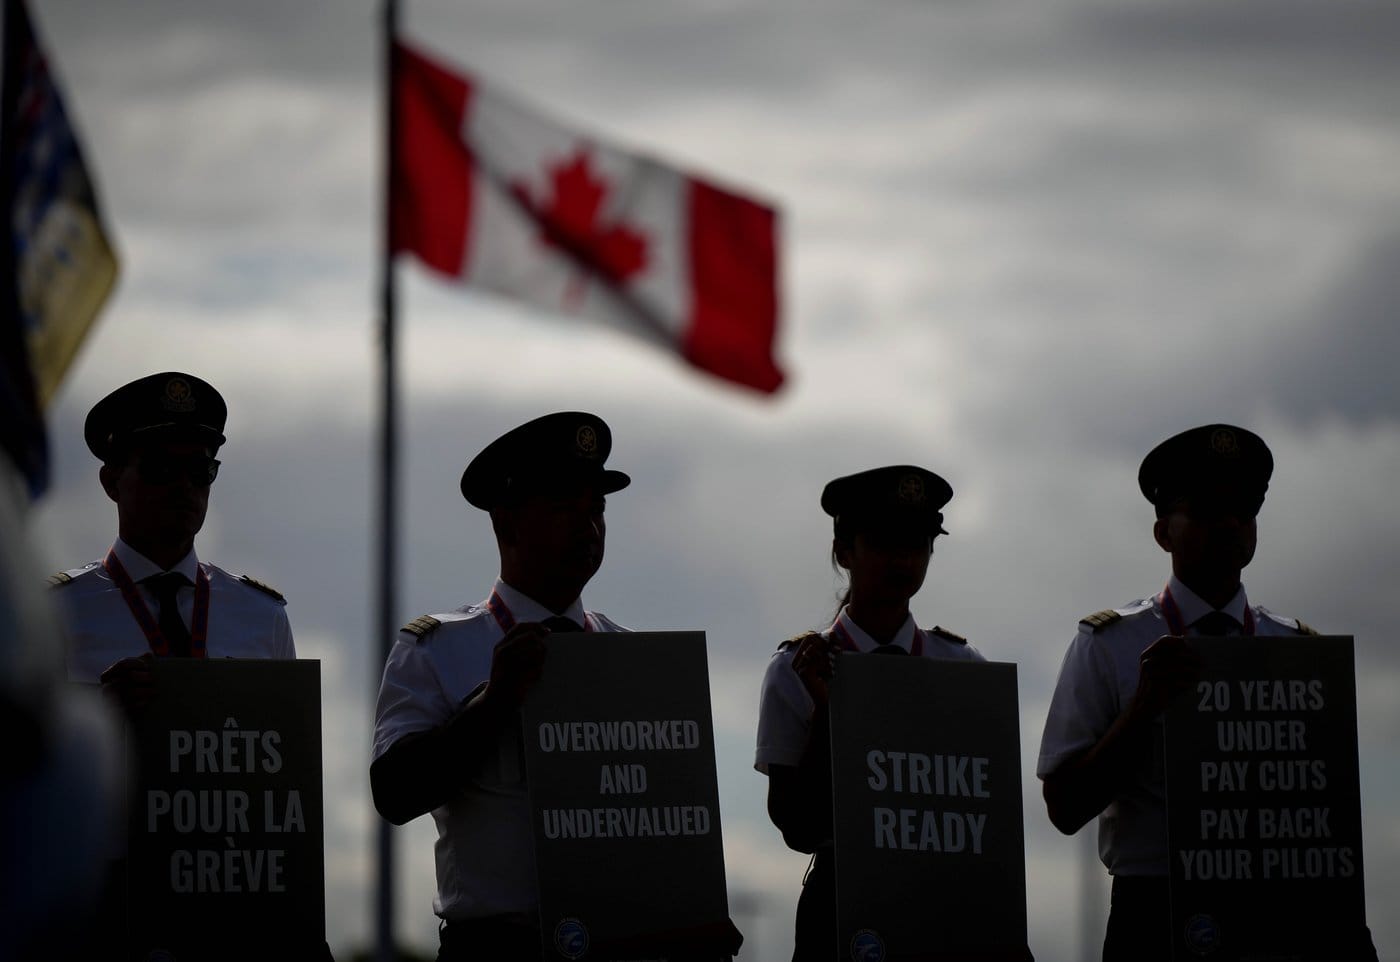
{"x": 561, "y": 451}
{"x": 1205, "y": 457}
{"x": 899, "y": 494}
{"x": 166, "y": 406}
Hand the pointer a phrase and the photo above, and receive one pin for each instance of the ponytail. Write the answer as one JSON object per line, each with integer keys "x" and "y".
{"x": 843, "y": 531}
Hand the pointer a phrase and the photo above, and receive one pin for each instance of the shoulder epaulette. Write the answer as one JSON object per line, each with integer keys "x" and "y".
{"x": 72, "y": 574}
{"x": 950, "y": 636}
{"x": 421, "y": 627}
{"x": 1101, "y": 619}
{"x": 264, "y": 588}
{"x": 794, "y": 640}
{"x": 1297, "y": 624}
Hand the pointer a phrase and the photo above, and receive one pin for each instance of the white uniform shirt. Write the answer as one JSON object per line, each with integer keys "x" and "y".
{"x": 244, "y": 621}
{"x": 1097, "y": 681}
{"x": 785, "y": 708}
{"x": 485, "y": 851}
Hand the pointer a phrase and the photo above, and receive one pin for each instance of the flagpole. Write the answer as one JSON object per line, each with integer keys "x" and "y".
{"x": 388, "y": 530}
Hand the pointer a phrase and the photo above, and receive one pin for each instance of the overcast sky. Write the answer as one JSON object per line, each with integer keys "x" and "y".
{"x": 1022, "y": 243}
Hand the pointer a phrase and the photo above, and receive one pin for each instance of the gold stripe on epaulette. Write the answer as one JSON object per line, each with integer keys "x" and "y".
{"x": 1100, "y": 619}
{"x": 951, "y": 636}
{"x": 795, "y": 640}
{"x": 1306, "y": 628}
{"x": 62, "y": 578}
{"x": 421, "y": 626}
{"x": 264, "y": 588}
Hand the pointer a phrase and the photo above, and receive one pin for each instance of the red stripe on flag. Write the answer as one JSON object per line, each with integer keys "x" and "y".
{"x": 734, "y": 284}
{"x": 433, "y": 164}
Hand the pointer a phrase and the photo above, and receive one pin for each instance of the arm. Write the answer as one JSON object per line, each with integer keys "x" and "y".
{"x": 1085, "y": 784}
{"x": 423, "y": 770}
{"x": 799, "y": 797}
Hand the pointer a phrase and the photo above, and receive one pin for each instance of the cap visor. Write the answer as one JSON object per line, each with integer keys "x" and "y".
{"x": 615, "y": 481}
{"x": 175, "y": 429}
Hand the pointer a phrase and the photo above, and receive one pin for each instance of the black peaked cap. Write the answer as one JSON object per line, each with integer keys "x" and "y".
{"x": 1203, "y": 456}
{"x": 167, "y": 405}
{"x": 557, "y": 451}
{"x": 900, "y": 493}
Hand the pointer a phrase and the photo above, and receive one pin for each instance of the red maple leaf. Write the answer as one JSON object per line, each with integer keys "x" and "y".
{"x": 570, "y": 222}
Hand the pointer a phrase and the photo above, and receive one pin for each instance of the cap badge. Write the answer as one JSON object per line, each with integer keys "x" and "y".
{"x": 178, "y": 395}
{"x": 911, "y": 489}
{"x": 586, "y": 440}
{"x": 1223, "y": 442}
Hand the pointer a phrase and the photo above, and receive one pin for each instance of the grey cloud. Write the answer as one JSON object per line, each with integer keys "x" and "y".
{"x": 185, "y": 46}
{"x": 1356, "y": 32}
{"x": 1343, "y": 362}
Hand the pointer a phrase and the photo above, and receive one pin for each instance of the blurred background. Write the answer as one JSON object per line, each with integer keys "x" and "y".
{"x": 1022, "y": 243}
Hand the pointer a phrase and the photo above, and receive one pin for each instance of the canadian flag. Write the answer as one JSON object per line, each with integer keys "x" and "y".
{"x": 492, "y": 194}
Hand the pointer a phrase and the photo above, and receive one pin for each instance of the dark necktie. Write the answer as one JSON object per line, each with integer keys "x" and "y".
{"x": 890, "y": 649}
{"x": 1215, "y": 624}
{"x": 165, "y": 587}
{"x": 560, "y": 623}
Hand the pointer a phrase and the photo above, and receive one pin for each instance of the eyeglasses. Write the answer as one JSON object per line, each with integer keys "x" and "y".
{"x": 159, "y": 469}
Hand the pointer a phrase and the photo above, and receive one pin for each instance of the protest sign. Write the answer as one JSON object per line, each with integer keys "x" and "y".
{"x": 1263, "y": 802}
{"x": 620, "y": 760}
{"x": 930, "y": 844}
{"x": 225, "y": 838}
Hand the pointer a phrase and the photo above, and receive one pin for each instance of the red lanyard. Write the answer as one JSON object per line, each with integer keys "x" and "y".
{"x": 1177, "y": 625}
{"x": 843, "y": 637}
{"x": 199, "y": 631}
{"x": 506, "y": 620}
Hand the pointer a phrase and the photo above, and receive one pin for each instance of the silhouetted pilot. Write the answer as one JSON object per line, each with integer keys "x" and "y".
{"x": 1100, "y": 754}
{"x": 885, "y": 523}
{"x": 447, "y": 732}
{"x": 151, "y": 596}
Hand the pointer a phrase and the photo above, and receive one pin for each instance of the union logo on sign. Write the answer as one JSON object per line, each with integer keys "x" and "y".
{"x": 867, "y": 946}
{"x": 1202, "y": 934}
{"x": 571, "y": 938}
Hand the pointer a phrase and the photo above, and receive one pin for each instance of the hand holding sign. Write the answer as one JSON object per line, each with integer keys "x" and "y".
{"x": 130, "y": 684}
{"x": 516, "y": 663}
{"x": 813, "y": 663}
{"x": 1167, "y": 668}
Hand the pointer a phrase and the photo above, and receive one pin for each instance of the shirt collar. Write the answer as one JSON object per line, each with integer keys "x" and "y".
{"x": 140, "y": 567}
{"x": 903, "y": 638}
{"x": 524, "y": 608}
{"x": 1193, "y": 607}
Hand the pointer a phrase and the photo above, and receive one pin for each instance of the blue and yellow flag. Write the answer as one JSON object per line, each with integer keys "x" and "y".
{"x": 56, "y": 264}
